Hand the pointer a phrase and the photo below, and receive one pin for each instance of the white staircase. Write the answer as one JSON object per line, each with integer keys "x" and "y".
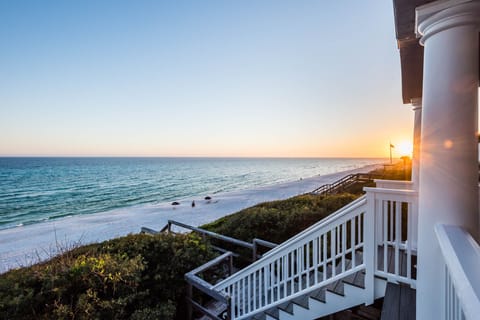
{"x": 339, "y": 295}
{"x": 340, "y": 262}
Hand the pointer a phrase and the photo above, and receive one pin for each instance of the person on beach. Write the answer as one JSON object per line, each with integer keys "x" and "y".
{"x": 193, "y": 203}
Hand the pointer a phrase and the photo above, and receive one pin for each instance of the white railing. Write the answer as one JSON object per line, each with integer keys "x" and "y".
{"x": 461, "y": 255}
{"x": 311, "y": 260}
{"x": 380, "y": 227}
{"x": 396, "y": 223}
{"x": 361, "y": 201}
{"x": 393, "y": 184}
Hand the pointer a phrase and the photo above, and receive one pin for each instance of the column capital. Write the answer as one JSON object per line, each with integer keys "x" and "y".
{"x": 441, "y": 15}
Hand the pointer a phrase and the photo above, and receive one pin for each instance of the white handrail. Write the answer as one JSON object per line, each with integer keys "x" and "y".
{"x": 394, "y": 184}
{"x": 461, "y": 255}
{"x": 303, "y": 264}
{"x": 277, "y": 251}
{"x": 331, "y": 217}
{"x": 390, "y": 191}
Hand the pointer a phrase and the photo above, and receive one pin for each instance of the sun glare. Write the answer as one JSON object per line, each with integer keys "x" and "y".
{"x": 404, "y": 148}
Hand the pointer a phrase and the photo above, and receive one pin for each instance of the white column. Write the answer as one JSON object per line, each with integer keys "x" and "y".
{"x": 417, "y": 129}
{"x": 448, "y": 186}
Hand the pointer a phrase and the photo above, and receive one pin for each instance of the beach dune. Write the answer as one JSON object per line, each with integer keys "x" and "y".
{"x": 29, "y": 244}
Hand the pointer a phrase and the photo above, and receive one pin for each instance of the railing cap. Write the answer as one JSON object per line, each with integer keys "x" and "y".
{"x": 406, "y": 192}
{"x": 393, "y": 181}
{"x": 462, "y": 256}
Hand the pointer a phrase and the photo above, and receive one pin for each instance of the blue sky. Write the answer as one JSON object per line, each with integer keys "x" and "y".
{"x": 200, "y": 78}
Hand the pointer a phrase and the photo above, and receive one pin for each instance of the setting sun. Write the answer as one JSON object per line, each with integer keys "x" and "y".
{"x": 404, "y": 148}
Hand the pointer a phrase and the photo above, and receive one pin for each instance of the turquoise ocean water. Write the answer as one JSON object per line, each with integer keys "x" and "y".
{"x": 33, "y": 190}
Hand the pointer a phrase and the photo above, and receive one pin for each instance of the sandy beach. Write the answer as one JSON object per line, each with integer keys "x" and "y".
{"x": 32, "y": 243}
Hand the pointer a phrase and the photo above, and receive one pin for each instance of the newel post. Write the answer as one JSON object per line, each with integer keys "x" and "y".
{"x": 369, "y": 248}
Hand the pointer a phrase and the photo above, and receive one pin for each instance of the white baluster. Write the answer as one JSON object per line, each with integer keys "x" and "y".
{"x": 398, "y": 234}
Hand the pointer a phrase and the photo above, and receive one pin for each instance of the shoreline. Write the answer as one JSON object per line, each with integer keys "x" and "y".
{"x": 26, "y": 245}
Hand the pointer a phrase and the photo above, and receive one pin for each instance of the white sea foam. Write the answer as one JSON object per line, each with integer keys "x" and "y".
{"x": 28, "y": 244}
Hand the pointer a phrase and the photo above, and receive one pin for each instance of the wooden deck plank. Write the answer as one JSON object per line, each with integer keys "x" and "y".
{"x": 391, "y": 306}
{"x": 399, "y": 302}
{"x": 360, "y": 279}
{"x": 407, "y": 303}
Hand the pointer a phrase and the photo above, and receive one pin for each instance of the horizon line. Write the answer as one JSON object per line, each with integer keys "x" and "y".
{"x": 193, "y": 156}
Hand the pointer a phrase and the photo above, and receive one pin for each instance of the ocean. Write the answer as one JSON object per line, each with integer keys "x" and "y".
{"x": 33, "y": 190}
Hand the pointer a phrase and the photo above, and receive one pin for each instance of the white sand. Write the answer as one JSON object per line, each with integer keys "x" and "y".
{"x": 29, "y": 244}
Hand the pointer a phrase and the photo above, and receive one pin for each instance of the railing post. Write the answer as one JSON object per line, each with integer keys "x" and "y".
{"x": 230, "y": 265}
{"x": 229, "y": 308}
{"x": 189, "y": 301}
{"x": 169, "y": 227}
{"x": 369, "y": 248}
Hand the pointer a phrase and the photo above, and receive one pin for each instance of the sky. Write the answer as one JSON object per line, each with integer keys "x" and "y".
{"x": 252, "y": 78}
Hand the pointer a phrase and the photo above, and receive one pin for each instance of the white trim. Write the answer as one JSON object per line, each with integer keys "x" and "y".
{"x": 461, "y": 254}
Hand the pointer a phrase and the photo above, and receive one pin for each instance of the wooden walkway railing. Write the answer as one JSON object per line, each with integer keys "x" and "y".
{"x": 345, "y": 182}
{"x": 222, "y": 300}
{"x": 193, "y": 280}
{"x": 254, "y": 245}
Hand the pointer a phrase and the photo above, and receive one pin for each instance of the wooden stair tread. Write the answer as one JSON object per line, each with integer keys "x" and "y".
{"x": 369, "y": 312}
{"x": 357, "y": 279}
{"x": 399, "y": 303}
{"x": 260, "y": 316}
{"x": 273, "y": 312}
{"x": 287, "y": 307}
{"x": 318, "y": 295}
{"x": 301, "y": 301}
{"x": 337, "y": 286}
{"x": 215, "y": 307}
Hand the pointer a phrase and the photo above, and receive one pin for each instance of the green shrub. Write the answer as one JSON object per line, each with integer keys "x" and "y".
{"x": 278, "y": 221}
{"x": 137, "y": 276}
{"x": 163, "y": 311}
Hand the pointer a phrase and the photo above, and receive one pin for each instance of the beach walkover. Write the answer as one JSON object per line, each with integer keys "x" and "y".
{"x": 356, "y": 180}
